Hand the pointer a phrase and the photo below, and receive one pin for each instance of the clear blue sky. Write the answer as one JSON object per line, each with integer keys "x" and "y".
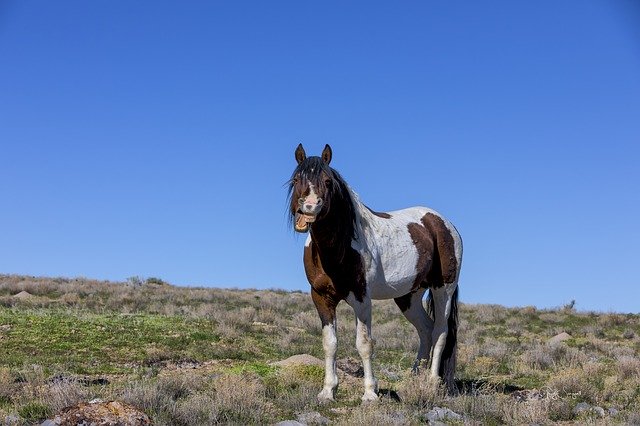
{"x": 154, "y": 138}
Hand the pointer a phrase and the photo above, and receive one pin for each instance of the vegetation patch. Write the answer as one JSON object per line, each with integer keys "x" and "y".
{"x": 199, "y": 356}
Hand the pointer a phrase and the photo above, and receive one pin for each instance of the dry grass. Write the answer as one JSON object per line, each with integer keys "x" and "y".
{"x": 220, "y": 373}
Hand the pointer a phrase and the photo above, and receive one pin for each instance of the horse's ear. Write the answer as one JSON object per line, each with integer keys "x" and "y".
{"x": 300, "y": 154}
{"x": 326, "y": 154}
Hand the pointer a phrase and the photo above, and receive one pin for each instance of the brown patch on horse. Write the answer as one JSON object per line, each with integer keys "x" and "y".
{"x": 380, "y": 214}
{"x": 445, "y": 264}
{"x": 437, "y": 262}
{"x": 424, "y": 245}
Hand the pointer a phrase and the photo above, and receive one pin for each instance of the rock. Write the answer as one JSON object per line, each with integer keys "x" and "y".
{"x": 559, "y": 338}
{"x": 313, "y": 419}
{"x": 101, "y": 413}
{"x": 12, "y": 420}
{"x": 48, "y": 423}
{"x": 438, "y": 414}
{"x": 301, "y": 359}
{"x": 613, "y": 412}
{"x": 581, "y": 407}
{"x": 599, "y": 411}
{"x": 23, "y": 295}
{"x": 289, "y": 423}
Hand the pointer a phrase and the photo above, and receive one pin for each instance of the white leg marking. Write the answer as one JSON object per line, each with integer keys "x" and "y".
{"x": 442, "y": 307}
{"x": 364, "y": 343}
{"x": 330, "y": 345}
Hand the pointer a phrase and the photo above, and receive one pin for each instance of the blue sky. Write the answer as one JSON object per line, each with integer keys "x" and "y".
{"x": 154, "y": 138}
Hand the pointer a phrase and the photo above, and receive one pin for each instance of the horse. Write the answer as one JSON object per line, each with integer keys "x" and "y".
{"x": 355, "y": 254}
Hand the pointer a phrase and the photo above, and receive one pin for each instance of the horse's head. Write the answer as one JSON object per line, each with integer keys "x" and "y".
{"x": 310, "y": 188}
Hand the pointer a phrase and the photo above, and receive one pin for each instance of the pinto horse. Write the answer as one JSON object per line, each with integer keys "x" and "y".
{"x": 355, "y": 254}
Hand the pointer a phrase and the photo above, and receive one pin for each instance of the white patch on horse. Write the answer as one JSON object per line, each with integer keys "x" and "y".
{"x": 387, "y": 248}
{"x": 312, "y": 203}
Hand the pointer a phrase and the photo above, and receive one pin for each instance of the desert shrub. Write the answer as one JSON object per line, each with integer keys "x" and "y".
{"x": 197, "y": 409}
{"x": 159, "y": 397}
{"x": 628, "y": 367}
{"x": 420, "y": 392}
{"x": 575, "y": 384}
{"x": 532, "y": 411}
{"x": 241, "y": 399}
{"x": 35, "y": 411}
{"x": 483, "y": 406}
{"x": 537, "y": 357}
{"x": 64, "y": 393}
{"x": 380, "y": 413}
{"x": 295, "y": 388}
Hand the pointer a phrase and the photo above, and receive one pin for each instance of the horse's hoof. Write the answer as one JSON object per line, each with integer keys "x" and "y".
{"x": 326, "y": 396}
{"x": 369, "y": 397}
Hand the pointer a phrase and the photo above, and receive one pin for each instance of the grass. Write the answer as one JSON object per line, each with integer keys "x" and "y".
{"x": 190, "y": 356}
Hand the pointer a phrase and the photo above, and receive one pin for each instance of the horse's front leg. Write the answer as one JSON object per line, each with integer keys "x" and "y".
{"x": 327, "y": 311}
{"x": 364, "y": 343}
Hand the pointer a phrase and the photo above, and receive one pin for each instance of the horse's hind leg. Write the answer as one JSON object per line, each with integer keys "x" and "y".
{"x": 442, "y": 305}
{"x": 413, "y": 310}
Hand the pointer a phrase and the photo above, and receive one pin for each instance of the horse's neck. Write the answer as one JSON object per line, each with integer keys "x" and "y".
{"x": 334, "y": 234}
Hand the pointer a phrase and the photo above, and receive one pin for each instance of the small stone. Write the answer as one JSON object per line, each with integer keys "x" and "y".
{"x": 581, "y": 407}
{"x": 289, "y": 423}
{"x": 599, "y": 411}
{"x": 12, "y": 419}
{"x": 438, "y": 414}
{"x": 49, "y": 423}
{"x": 613, "y": 412}
{"x": 313, "y": 418}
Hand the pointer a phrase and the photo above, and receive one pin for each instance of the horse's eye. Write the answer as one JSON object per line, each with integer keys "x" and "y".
{"x": 327, "y": 182}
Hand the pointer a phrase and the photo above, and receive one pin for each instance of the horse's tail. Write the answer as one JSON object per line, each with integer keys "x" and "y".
{"x": 449, "y": 354}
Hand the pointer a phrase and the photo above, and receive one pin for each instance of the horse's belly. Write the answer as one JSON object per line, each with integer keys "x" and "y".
{"x": 384, "y": 290}
{"x": 394, "y": 273}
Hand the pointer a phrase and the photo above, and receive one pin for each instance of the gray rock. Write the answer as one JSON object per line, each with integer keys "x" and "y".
{"x": 12, "y": 419}
{"x": 613, "y": 412}
{"x": 599, "y": 411}
{"x": 49, "y": 423}
{"x": 581, "y": 407}
{"x": 289, "y": 423}
{"x": 313, "y": 418}
{"x": 438, "y": 414}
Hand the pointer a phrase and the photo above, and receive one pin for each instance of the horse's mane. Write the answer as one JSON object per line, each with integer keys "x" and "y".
{"x": 340, "y": 194}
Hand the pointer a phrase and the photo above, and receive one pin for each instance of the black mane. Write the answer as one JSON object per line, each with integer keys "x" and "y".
{"x": 342, "y": 207}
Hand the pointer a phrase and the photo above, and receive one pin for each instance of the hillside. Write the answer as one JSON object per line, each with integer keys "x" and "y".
{"x": 203, "y": 356}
